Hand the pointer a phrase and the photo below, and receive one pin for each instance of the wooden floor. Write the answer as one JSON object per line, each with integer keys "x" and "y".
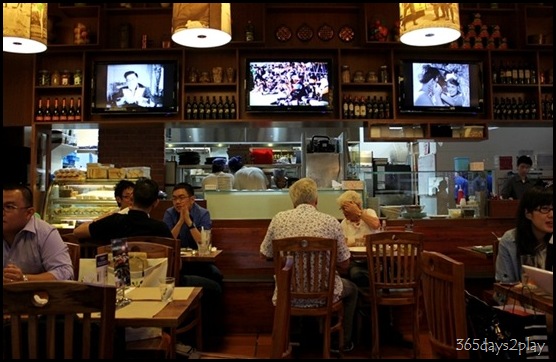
{"x": 258, "y": 346}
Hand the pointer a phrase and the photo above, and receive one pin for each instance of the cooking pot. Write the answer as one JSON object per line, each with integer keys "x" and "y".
{"x": 320, "y": 144}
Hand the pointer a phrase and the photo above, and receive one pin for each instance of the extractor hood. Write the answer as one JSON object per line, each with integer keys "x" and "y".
{"x": 240, "y": 135}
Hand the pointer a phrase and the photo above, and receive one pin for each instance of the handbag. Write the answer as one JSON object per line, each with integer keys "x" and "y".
{"x": 510, "y": 331}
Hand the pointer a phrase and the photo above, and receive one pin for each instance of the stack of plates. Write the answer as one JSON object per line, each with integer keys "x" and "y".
{"x": 414, "y": 215}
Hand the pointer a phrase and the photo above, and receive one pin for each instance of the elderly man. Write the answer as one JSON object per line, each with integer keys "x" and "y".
{"x": 305, "y": 220}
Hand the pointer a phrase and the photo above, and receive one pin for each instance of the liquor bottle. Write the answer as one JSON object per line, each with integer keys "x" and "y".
{"x": 369, "y": 107}
{"x": 514, "y": 110}
{"x": 249, "y": 31}
{"x": 362, "y": 109}
{"x": 227, "y": 108}
{"x": 351, "y": 108}
{"x": 71, "y": 110}
{"x": 533, "y": 114}
{"x": 375, "y": 108}
{"x": 220, "y": 108}
{"x": 345, "y": 107}
{"x": 39, "y": 114}
{"x": 64, "y": 111}
{"x": 381, "y": 108}
{"x": 356, "y": 108}
{"x": 214, "y": 108}
{"x": 201, "y": 107}
{"x": 47, "y": 111}
{"x": 521, "y": 73}
{"x": 509, "y": 78}
{"x": 527, "y": 74}
{"x": 520, "y": 109}
{"x": 496, "y": 108}
{"x": 78, "y": 110}
{"x": 194, "y": 109}
{"x": 208, "y": 111}
{"x": 188, "y": 107}
{"x": 56, "y": 111}
{"x": 387, "y": 112}
{"x": 233, "y": 108}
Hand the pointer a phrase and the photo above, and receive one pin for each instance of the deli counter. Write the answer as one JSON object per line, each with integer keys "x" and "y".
{"x": 71, "y": 202}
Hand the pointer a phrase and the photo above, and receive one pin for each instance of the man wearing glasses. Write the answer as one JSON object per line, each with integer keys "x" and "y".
{"x": 33, "y": 249}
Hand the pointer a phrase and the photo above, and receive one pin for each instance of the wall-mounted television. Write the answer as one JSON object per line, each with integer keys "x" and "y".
{"x": 288, "y": 85}
{"x": 449, "y": 87}
{"x": 135, "y": 87}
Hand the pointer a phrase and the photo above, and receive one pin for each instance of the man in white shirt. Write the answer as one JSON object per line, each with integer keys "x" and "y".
{"x": 247, "y": 178}
{"x": 218, "y": 179}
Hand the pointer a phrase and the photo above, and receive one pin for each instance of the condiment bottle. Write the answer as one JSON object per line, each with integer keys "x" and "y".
{"x": 55, "y": 78}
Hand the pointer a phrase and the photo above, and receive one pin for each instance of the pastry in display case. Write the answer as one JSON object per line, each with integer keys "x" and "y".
{"x": 71, "y": 202}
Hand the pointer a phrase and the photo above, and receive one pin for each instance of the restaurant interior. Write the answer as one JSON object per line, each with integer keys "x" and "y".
{"x": 359, "y": 130}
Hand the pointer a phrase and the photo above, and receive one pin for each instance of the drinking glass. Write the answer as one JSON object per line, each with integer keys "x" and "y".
{"x": 205, "y": 244}
{"x": 166, "y": 286}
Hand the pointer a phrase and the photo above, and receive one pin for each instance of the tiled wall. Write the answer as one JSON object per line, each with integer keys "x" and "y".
{"x": 133, "y": 145}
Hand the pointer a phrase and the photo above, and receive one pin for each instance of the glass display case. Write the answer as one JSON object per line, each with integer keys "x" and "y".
{"x": 71, "y": 202}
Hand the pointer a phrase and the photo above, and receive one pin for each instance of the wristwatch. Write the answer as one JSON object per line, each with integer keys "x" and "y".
{"x": 191, "y": 226}
{"x": 25, "y": 279}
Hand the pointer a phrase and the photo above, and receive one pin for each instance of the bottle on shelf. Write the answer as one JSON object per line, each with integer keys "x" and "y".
{"x": 201, "y": 108}
{"x": 39, "y": 114}
{"x": 64, "y": 110}
{"x": 233, "y": 108}
{"x": 71, "y": 110}
{"x": 214, "y": 108}
{"x": 227, "y": 108}
{"x": 356, "y": 108}
{"x": 188, "y": 107}
{"x": 78, "y": 110}
{"x": 460, "y": 196}
{"x": 56, "y": 111}
{"x": 208, "y": 109}
{"x": 47, "y": 111}
{"x": 249, "y": 31}
{"x": 220, "y": 108}
{"x": 345, "y": 107}
{"x": 194, "y": 108}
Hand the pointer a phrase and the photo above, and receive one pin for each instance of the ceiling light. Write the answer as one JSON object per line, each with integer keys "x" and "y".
{"x": 25, "y": 27}
{"x": 201, "y": 25}
{"x": 426, "y": 24}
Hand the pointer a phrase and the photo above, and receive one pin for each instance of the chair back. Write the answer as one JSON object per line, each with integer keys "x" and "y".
{"x": 173, "y": 243}
{"x": 394, "y": 259}
{"x": 314, "y": 261}
{"x": 151, "y": 249}
{"x": 75, "y": 255}
{"x": 443, "y": 283}
{"x": 43, "y": 308}
{"x": 281, "y": 347}
{"x": 312, "y": 281}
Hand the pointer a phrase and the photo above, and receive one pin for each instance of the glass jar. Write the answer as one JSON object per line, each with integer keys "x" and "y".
{"x": 43, "y": 78}
{"x": 55, "y": 79}
{"x": 77, "y": 77}
{"x": 65, "y": 77}
{"x": 383, "y": 74}
{"x": 372, "y": 77}
{"x": 346, "y": 74}
{"x": 358, "y": 77}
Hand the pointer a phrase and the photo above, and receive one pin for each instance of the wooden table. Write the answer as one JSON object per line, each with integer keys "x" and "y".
{"x": 171, "y": 316}
{"x": 481, "y": 251}
{"x": 534, "y": 296}
{"x": 190, "y": 257}
{"x": 358, "y": 252}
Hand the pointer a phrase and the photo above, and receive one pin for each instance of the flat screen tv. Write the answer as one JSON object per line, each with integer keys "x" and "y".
{"x": 288, "y": 85}
{"x": 448, "y": 87}
{"x": 135, "y": 87}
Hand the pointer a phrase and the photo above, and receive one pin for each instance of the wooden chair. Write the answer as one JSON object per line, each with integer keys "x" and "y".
{"x": 314, "y": 273}
{"x": 394, "y": 259}
{"x": 38, "y": 305}
{"x": 75, "y": 255}
{"x": 443, "y": 283}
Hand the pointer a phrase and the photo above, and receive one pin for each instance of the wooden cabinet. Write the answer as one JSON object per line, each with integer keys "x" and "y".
{"x": 344, "y": 33}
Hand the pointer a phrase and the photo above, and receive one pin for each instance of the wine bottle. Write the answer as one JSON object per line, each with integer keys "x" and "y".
{"x": 345, "y": 107}
{"x": 188, "y": 108}
{"x": 208, "y": 110}
{"x": 64, "y": 111}
{"x": 56, "y": 111}
{"x": 201, "y": 107}
{"x": 78, "y": 110}
{"x": 194, "y": 109}
{"x": 220, "y": 108}
{"x": 227, "y": 108}
{"x": 47, "y": 111}
{"x": 39, "y": 114}
{"x": 233, "y": 107}
{"x": 249, "y": 31}
{"x": 214, "y": 108}
{"x": 71, "y": 110}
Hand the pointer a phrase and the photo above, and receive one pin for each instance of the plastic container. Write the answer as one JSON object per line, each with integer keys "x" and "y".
{"x": 461, "y": 163}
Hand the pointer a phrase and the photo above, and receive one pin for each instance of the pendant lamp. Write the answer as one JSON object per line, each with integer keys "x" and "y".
{"x": 201, "y": 25}
{"x": 427, "y": 24}
{"x": 25, "y": 27}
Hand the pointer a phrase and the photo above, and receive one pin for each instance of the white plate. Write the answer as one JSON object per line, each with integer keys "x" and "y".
{"x": 438, "y": 216}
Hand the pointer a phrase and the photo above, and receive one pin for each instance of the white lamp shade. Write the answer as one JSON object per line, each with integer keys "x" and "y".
{"x": 25, "y": 27}
{"x": 427, "y": 24}
{"x": 201, "y": 25}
